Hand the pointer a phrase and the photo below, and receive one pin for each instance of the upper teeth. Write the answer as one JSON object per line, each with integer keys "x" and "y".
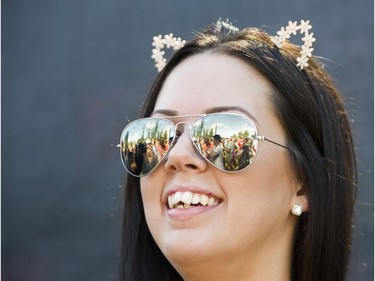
{"x": 185, "y": 199}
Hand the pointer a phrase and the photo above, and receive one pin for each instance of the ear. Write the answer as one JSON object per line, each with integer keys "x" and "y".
{"x": 300, "y": 198}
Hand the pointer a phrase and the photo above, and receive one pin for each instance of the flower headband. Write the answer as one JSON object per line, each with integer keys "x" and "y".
{"x": 292, "y": 28}
{"x": 159, "y": 43}
{"x": 169, "y": 41}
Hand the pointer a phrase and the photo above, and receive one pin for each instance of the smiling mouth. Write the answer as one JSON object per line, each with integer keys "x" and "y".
{"x": 187, "y": 199}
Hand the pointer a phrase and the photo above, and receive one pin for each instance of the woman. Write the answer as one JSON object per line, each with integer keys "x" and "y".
{"x": 287, "y": 215}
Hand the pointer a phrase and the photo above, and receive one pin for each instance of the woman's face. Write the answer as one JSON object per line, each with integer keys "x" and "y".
{"x": 250, "y": 221}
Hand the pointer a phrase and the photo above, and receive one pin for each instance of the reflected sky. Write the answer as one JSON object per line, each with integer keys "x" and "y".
{"x": 225, "y": 125}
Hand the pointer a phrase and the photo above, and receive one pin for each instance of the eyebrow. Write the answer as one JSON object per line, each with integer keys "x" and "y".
{"x": 231, "y": 108}
{"x": 218, "y": 109}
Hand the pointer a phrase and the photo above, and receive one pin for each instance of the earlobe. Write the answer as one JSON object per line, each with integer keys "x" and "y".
{"x": 300, "y": 202}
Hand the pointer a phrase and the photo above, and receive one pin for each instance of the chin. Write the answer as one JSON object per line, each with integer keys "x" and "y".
{"x": 186, "y": 245}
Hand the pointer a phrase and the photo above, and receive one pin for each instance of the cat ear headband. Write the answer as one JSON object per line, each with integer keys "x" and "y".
{"x": 169, "y": 41}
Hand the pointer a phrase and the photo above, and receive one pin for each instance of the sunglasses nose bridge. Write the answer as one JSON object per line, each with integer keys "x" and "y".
{"x": 182, "y": 123}
{"x": 183, "y": 155}
{"x": 179, "y": 124}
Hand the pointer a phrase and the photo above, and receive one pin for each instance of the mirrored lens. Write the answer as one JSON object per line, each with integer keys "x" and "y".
{"x": 144, "y": 143}
{"x": 226, "y": 140}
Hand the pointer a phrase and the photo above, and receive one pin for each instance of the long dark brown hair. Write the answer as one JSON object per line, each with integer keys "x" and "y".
{"x": 318, "y": 132}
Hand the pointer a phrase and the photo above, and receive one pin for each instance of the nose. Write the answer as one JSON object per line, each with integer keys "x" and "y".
{"x": 183, "y": 155}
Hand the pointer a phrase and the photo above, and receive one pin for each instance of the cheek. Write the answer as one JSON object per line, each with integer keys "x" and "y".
{"x": 151, "y": 190}
{"x": 265, "y": 189}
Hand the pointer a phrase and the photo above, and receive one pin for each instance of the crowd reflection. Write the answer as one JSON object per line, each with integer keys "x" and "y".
{"x": 230, "y": 154}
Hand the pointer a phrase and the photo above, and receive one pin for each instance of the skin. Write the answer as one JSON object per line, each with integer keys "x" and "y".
{"x": 248, "y": 236}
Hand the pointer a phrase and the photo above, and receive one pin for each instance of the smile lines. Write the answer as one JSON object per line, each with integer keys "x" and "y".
{"x": 187, "y": 199}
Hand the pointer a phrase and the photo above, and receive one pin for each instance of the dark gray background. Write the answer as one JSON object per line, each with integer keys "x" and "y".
{"x": 74, "y": 71}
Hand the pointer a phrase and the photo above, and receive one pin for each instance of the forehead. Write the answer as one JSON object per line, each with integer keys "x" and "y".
{"x": 212, "y": 80}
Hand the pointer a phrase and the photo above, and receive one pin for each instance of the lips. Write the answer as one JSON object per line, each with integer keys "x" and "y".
{"x": 189, "y": 199}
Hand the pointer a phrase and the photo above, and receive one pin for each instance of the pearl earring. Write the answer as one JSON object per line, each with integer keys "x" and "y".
{"x": 297, "y": 210}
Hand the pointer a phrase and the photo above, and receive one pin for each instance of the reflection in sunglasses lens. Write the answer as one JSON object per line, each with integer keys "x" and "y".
{"x": 228, "y": 141}
{"x": 144, "y": 143}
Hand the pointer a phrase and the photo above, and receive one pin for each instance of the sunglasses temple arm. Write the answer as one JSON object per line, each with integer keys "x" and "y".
{"x": 264, "y": 138}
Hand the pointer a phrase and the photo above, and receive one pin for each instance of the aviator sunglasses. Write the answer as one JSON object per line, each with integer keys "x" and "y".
{"x": 227, "y": 141}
